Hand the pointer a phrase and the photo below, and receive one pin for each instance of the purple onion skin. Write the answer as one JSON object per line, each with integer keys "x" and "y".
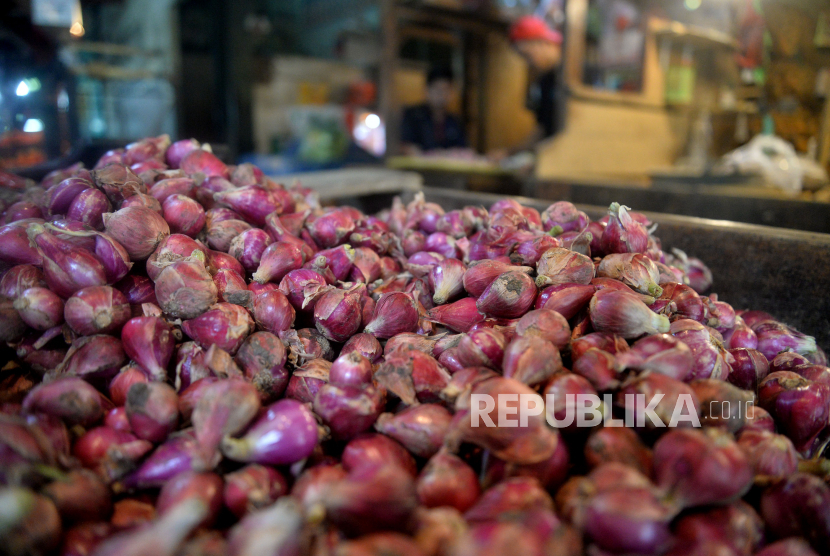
{"x": 395, "y": 313}
{"x": 774, "y": 337}
{"x": 447, "y": 481}
{"x": 286, "y": 433}
{"x": 298, "y": 284}
{"x": 164, "y": 189}
{"x": 40, "y": 308}
{"x": 348, "y": 410}
{"x": 748, "y": 368}
{"x": 225, "y": 325}
{"x": 741, "y": 336}
{"x": 351, "y": 369}
{"x": 177, "y": 455}
{"x": 15, "y": 247}
{"x": 149, "y": 342}
{"x": 19, "y": 278}
{"x": 62, "y": 194}
{"x": 110, "y": 452}
{"x": 771, "y": 455}
{"x": 509, "y": 296}
{"x": 531, "y": 360}
{"x": 710, "y": 357}
{"x": 801, "y": 407}
{"x": 273, "y": 312}
{"x": 22, "y": 210}
{"x": 799, "y": 506}
{"x": 758, "y": 419}
{"x": 524, "y": 445}
{"x": 623, "y": 234}
{"x": 366, "y": 345}
{"x": 224, "y": 409}
{"x": 277, "y": 260}
{"x": 371, "y": 499}
{"x": 377, "y": 450}
{"x": 459, "y": 316}
{"x": 621, "y": 445}
{"x": 153, "y": 410}
{"x": 251, "y": 488}
{"x": 479, "y": 276}
{"x": 80, "y": 496}
{"x": 628, "y": 521}
{"x": 69, "y": 398}
{"x": 337, "y": 314}
{"x": 262, "y": 358}
{"x": 248, "y": 247}
{"x": 625, "y": 315}
{"x": 137, "y": 290}
{"x": 515, "y": 494}
{"x": 89, "y": 207}
{"x": 737, "y": 528}
{"x": 66, "y": 270}
{"x": 793, "y": 546}
{"x": 565, "y": 216}
{"x": 786, "y": 361}
{"x": 184, "y": 215}
{"x": 97, "y": 310}
{"x": 93, "y": 358}
{"x": 203, "y": 486}
{"x": 550, "y": 473}
{"x": 698, "y": 468}
{"x": 178, "y": 150}
{"x": 421, "y": 429}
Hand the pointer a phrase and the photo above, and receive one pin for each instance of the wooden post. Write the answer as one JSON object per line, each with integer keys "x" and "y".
{"x": 387, "y": 103}
{"x": 824, "y": 135}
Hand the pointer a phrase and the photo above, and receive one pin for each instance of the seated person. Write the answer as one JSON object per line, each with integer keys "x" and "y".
{"x": 428, "y": 126}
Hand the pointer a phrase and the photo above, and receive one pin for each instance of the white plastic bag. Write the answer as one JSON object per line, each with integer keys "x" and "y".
{"x": 771, "y": 157}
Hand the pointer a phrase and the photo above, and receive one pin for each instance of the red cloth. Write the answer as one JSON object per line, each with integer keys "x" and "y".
{"x": 529, "y": 27}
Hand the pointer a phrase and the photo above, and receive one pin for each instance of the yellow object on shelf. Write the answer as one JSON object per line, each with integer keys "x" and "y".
{"x": 313, "y": 93}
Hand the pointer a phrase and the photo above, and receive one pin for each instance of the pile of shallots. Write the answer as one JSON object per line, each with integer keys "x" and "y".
{"x": 209, "y": 363}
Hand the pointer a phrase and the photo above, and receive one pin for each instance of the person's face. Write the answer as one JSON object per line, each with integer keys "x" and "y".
{"x": 439, "y": 94}
{"x": 542, "y": 55}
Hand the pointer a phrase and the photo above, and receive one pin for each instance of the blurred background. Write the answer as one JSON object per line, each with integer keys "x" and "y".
{"x": 714, "y": 108}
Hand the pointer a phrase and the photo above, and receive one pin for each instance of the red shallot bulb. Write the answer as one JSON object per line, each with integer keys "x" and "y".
{"x": 251, "y": 488}
{"x": 509, "y": 296}
{"x": 89, "y": 207}
{"x": 19, "y": 278}
{"x": 277, "y": 260}
{"x": 149, "y": 342}
{"x": 337, "y": 314}
{"x": 184, "y": 215}
{"x": 66, "y": 268}
{"x": 152, "y": 409}
{"x": 348, "y": 410}
{"x": 69, "y": 398}
{"x": 559, "y": 266}
{"x": 623, "y": 314}
{"x": 40, "y": 308}
{"x": 185, "y": 290}
{"x": 286, "y": 433}
{"x": 97, "y": 310}
{"x": 701, "y": 467}
{"x": 138, "y": 229}
{"x": 623, "y": 234}
{"x": 394, "y": 313}
{"x": 447, "y": 481}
